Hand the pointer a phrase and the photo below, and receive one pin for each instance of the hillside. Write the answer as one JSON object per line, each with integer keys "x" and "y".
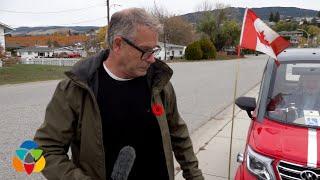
{"x": 35, "y": 31}
{"x": 237, "y": 13}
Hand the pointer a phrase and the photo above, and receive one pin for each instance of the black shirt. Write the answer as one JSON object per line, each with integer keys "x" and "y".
{"x": 127, "y": 119}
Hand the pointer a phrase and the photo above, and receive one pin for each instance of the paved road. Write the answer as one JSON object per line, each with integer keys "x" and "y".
{"x": 205, "y": 88}
{"x": 202, "y": 88}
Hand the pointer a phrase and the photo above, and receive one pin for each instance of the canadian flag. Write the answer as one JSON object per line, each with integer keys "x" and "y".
{"x": 256, "y": 35}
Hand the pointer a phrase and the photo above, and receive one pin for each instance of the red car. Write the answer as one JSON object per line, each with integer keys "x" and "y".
{"x": 283, "y": 141}
{"x": 74, "y": 55}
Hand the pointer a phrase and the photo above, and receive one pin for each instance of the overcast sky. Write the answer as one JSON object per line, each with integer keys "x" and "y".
{"x": 93, "y": 12}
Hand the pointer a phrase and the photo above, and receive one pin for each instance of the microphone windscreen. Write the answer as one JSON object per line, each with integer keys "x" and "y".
{"x": 123, "y": 164}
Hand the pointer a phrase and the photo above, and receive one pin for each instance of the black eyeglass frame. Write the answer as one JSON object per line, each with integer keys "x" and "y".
{"x": 154, "y": 51}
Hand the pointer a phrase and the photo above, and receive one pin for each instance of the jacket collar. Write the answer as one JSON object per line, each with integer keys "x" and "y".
{"x": 85, "y": 71}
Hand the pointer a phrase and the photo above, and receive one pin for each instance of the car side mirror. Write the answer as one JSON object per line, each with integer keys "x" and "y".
{"x": 247, "y": 103}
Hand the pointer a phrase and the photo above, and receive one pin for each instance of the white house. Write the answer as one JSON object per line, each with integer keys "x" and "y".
{"x": 294, "y": 36}
{"x": 172, "y": 50}
{"x": 66, "y": 50}
{"x": 4, "y": 29}
{"x": 35, "y": 52}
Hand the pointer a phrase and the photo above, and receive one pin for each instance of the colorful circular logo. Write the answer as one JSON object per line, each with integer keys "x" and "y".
{"x": 28, "y": 158}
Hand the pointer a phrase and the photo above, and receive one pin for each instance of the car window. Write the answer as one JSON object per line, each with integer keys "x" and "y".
{"x": 295, "y": 95}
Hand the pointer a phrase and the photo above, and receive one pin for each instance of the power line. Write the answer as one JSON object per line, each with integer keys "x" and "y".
{"x": 50, "y": 12}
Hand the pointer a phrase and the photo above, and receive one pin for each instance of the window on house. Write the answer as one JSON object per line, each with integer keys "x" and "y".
{"x": 180, "y": 52}
{"x": 29, "y": 52}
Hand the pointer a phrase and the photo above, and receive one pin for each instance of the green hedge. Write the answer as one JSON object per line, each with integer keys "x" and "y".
{"x": 193, "y": 51}
{"x": 208, "y": 49}
{"x": 202, "y": 49}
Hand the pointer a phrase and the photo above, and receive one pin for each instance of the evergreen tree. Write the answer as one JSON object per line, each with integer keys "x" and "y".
{"x": 271, "y": 18}
{"x": 277, "y": 17}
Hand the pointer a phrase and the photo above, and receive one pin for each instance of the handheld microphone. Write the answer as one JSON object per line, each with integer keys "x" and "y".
{"x": 123, "y": 164}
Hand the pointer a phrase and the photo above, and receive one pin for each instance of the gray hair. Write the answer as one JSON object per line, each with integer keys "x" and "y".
{"x": 125, "y": 22}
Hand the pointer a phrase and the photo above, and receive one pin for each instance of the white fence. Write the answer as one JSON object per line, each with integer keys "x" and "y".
{"x": 52, "y": 61}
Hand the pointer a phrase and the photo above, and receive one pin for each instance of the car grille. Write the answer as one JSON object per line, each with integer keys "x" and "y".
{"x": 290, "y": 171}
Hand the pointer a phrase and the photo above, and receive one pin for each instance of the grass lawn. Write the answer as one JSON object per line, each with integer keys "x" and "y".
{"x": 21, "y": 73}
{"x": 218, "y": 58}
{"x": 226, "y": 57}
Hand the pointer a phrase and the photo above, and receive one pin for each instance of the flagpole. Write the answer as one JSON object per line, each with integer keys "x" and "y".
{"x": 234, "y": 97}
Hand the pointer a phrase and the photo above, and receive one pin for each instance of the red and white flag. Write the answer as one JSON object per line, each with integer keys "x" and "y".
{"x": 256, "y": 35}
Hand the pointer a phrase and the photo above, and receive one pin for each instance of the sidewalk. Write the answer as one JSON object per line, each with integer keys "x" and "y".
{"x": 212, "y": 142}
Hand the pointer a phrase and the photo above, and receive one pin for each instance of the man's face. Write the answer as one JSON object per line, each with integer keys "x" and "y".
{"x": 132, "y": 64}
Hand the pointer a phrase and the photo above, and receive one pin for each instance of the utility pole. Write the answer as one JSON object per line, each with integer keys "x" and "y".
{"x": 108, "y": 11}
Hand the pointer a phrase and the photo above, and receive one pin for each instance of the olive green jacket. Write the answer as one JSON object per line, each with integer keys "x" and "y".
{"x": 73, "y": 119}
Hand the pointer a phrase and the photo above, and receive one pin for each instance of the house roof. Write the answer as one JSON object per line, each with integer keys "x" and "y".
{"x": 64, "y": 49}
{"x": 290, "y": 32}
{"x": 171, "y": 45}
{"x": 6, "y": 27}
{"x": 36, "y": 49}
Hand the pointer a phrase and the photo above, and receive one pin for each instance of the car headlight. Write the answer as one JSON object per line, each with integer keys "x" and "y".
{"x": 259, "y": 165}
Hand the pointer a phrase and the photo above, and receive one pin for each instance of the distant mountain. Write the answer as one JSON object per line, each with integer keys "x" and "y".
{"x": 52, "y": 29}
{"x": 237, "y": 13}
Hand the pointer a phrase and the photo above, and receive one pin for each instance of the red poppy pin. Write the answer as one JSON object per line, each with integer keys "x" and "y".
{"x": 157, "y": 109}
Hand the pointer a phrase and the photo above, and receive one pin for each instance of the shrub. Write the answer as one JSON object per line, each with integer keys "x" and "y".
{"x": 208, "y": 49}
{"x": 193, "y": 51}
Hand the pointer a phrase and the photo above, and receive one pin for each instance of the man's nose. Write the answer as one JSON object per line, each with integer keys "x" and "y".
{"x": 151, "y": 59}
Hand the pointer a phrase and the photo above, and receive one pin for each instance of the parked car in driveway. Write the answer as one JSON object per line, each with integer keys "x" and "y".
{"x": 283, "y": 140}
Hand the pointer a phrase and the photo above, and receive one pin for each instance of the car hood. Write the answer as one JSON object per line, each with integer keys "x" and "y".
{"x": 286, "y": 142}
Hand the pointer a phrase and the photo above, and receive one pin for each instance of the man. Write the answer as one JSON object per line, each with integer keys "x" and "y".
{"x": 121, "y": 97}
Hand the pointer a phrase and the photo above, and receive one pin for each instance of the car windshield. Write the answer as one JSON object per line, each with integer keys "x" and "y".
{"x": 295, "y": 94}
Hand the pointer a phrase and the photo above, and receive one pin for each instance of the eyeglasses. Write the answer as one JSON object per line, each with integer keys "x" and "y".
{"x": 145, "y": 54}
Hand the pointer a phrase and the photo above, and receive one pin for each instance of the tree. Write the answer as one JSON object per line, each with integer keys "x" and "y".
{"x": 318, "y": 14}
{"x": 231, "y": 31}
{"x": 221, "y": 10}
{"x": 212, "y": 22}
{"x": 277, "y": 17}
{"x": 55, "y": 44}
{"x": 193, "y": 51}
{"x": 178, "y": 31}
{"x": 314, "y": 21}
{"x": 101, "y": 36}
{"x": 2, "y": 53}
{"x": 205, "y": 6}
{"x": 271, "y": 18}
{"x": 208, "y": 49}
{"x": 285, "y": 26}
{"x": 313, "y": 30}
{"x": 207, "y": 26}
{"x": 50, "y": 43}
{"x": 161, "y": 14}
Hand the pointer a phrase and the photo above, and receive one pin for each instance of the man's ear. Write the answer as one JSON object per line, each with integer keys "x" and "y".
{"x": 117, "y": 44}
